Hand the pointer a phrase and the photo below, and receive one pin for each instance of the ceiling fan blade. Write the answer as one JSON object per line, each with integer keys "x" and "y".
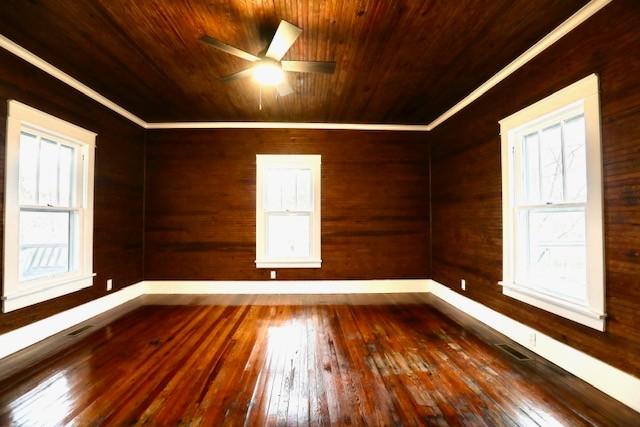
{"x": 284, "y": 88}
{"x": 239, "y": 75}
{"x": 285, "y": 36}
{"x": 309, "y": 66}
{"x": 229, "y": 49}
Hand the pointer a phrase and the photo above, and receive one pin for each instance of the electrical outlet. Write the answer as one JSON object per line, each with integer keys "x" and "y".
{"x": 532, "y": 339}
{"x": 109, "y": 284}
{"x": 463, "y": 284}
{"x": 273, "y": 274}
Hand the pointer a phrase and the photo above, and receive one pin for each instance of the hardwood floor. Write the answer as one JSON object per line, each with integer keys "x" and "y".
{"x": 299, "y": 360}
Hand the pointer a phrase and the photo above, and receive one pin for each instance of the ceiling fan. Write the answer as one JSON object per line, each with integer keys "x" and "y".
{"x": 269, "y": 68}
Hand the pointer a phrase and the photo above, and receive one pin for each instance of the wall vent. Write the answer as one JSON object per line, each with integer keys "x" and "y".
{"x": 79, "y": 331}
{"x": 513, "y": 352}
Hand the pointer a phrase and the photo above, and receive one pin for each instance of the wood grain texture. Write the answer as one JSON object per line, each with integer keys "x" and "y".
{"x": 200, "y": 203}
{"x": 30, "y": 357}
{"x": 119, "y": 175}
{"x": 300, "y": 360}
{"x": 397, "y": 61}
{"x": 466, "y": 178}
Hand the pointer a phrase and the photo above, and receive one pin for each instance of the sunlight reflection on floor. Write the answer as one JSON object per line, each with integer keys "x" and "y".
{"x": 48, "y": 403}
{"x": 288, "y": 346}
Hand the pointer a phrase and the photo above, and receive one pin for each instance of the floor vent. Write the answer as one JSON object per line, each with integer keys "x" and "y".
{"x": 513, "y": 352}
{"x": 79, "y": 331}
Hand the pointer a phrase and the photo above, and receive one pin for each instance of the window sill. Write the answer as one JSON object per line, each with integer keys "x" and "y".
{"x": 33, "y": 296}
{"x": 289, "y": 264}
{"x": 572, "y": 311}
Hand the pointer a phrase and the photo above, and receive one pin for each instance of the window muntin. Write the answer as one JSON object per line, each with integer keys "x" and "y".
{"x": 550, "y": 208}
{"x": 48, "y": 238}
{"x": 288, "y": 211}
{"x": 553, "y": 250}
{"x": 49, "y": 210}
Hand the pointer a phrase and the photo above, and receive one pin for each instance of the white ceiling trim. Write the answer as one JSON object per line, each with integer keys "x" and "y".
{"x": 572, "y": 22}
{"x": 40, "y": 63}
{"x": 284, "y": 125}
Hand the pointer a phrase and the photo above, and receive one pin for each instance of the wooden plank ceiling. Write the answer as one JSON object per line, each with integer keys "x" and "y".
{"x": 397, "y": 61}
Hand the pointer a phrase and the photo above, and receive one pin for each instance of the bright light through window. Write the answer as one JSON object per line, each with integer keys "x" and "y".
{"x": 552, "y": 205}
{"x": 47, "y": 212}
{"x": 551, "y": 209}
{"x": 288, "y": 211}
{"x": 48, "y": 240}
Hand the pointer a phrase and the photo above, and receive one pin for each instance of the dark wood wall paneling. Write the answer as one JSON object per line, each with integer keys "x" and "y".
{"x": 200, "y": 202}
{"x": 466, "y": 199}
{"x": 397, "y": 61}
{"x": 119, "y": 181}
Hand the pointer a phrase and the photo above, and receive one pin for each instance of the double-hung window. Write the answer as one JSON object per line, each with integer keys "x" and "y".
{"x": 48, "y": 207}
{"x": 288, "y": 211}
{"x": 552, "y": 205}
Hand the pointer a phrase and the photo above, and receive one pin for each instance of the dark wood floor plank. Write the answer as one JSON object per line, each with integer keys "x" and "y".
{"x": 403, "y": 360}
{"x": 137, "y": 384}
{"x": 247, "y": 387}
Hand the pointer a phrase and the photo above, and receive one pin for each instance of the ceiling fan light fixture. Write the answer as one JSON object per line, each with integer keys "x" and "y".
{"x": 268, "y": 73}
{"x": 269, "y": 69}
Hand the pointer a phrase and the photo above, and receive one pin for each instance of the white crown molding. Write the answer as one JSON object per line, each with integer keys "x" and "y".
{"x": 560, "y": 31}
{"x": 286, "y": 125}
{"x": 572, "y": 22}
{"x": 43, "y": 65}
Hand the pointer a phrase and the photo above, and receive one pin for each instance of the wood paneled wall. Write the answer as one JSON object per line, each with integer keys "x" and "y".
{"x": 200, "y": 203}
{"x": 466, "y": 178}
{"x": 119, "y": 181}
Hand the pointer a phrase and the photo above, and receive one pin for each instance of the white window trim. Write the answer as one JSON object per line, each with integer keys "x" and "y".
{"x": 16, "y": 295}
{"x": 583, "y": 92}
{"x": 313, "y": 162}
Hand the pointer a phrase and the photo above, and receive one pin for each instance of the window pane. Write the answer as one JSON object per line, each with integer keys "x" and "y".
{"x": 48, "y": 183}
{"x": 575, "y": 159}
{"x": 561, "y": 226}
{"x": 273, "y": 189}
{"x": 288, "y": 189}
{"x": 288, "y": 236}
{"x": 560, "y": 269}
{"x": 551, "y": 164}
{"x": 28, "y": 168}
{"x": 531, "y": 165}
{"x": 66, "y": 175}
{"x": 44, "y": 243}
{"x": 557, "y": 251}
{"x": 304, "y": 190}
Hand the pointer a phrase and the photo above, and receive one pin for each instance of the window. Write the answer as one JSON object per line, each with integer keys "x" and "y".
{"x": 48, "y": 207}
{"x": 552, "y": 205}
{"x": 288, "y": 211}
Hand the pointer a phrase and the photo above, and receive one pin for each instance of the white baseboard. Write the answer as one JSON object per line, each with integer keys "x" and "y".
{"x": 32, "y": 333}
{"x": 27, "y": 335}
{"x": 291, "y": 287}
{"x": 612, "y": 381}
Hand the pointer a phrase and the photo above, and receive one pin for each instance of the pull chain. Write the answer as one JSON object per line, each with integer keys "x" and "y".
{"x": 260, "y": 98}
